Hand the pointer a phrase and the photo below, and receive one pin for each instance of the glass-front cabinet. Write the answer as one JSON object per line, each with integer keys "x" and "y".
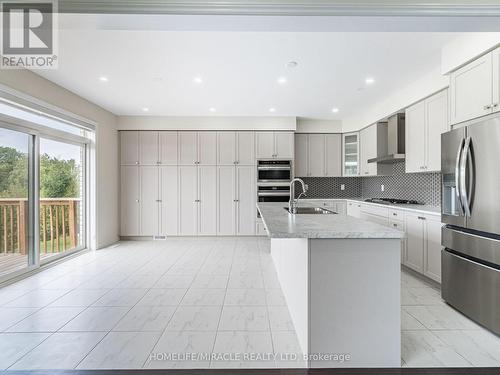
{"x": 350, "y": 154}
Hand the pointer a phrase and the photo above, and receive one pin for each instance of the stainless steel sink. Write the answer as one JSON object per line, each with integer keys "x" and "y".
{"x": 311, "y": 211}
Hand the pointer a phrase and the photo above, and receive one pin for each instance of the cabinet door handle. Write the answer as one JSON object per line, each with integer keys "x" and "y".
{"x": 395, "y": 225}
{"x": 197, "y": 201}
{"x": 486, "y": 107}
{"x": 158, "y": 200}
{"x": 495, "y": 105}
{"x": 137, "y": 201}
{"x": 421, "y": 218}
{"x": 137, "y": 163}
{"x": 394, "y": 214}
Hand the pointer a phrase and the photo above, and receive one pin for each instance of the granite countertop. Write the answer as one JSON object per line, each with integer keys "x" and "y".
{"x": 422, "y": 208}
{"x": 280, "y": 224}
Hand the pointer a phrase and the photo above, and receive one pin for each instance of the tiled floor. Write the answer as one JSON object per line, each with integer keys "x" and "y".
{"x": 132, "y": 305}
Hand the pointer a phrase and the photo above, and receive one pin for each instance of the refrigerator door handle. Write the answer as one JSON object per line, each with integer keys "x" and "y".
{"x": 466, "y": 166}
{"x": 457, "y": 176}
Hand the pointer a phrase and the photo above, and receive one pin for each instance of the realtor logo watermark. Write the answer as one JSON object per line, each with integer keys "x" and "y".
{"x": 29, "y": 34}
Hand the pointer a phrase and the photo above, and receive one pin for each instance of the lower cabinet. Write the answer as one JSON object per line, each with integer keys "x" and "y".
{"x": 353, "y": 209}
{"x": 207, "y": 200}
{"x": 169, "y": 203}
{"x": 150, "y": 199}
{"x": 423, "y": 244}
{"x": 188, "y": 200}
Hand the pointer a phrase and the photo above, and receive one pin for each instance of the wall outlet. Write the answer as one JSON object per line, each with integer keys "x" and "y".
{"x": 382, "y": 187}
{"x": 342, "y": 187}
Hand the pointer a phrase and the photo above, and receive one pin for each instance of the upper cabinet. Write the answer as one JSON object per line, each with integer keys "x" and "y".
{"x": 235, "y": 148}
{"x": 373, "y": 143}
{"x": 425, "y": 122}
{"x": 475, "y": 88}
{"x": 129, "y": 148}
{"x": 197, "y": 148}
{"x": 350, "y": 154}
{"x": 168, "y": 147}
{"x": 148, "y": 148}
{"x": 271, "y": 145}
{"x": 318, "y": 155}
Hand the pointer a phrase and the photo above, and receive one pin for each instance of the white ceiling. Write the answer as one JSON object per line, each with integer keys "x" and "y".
{"x": 155, "y": 69}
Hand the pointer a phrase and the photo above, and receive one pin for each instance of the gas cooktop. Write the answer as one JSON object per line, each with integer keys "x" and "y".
{"x": 392, "y": 201}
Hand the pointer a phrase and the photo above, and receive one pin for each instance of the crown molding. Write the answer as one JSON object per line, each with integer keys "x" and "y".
{"x": 280, "y": 8}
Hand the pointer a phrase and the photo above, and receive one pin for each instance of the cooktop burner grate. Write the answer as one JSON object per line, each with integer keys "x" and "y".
{"x": 392, "y": 200}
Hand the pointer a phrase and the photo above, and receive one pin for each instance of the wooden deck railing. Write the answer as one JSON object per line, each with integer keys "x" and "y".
{"x": 58, "y": 224}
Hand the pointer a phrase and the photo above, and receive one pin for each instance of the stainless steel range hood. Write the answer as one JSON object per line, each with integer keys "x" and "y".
{"x": 395, "y": 141}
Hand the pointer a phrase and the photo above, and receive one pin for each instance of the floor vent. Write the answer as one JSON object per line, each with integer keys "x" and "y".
{"x": 159, "y": 238}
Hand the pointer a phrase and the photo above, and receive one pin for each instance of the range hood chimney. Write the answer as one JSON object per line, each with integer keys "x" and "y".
{"x": 395, "y": 141}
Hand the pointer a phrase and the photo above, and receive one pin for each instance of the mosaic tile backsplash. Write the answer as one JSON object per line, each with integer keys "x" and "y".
{"x": 423, "y": 187}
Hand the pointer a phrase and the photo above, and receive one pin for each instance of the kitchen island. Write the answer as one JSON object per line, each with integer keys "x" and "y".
{"x": 341, "y": 280}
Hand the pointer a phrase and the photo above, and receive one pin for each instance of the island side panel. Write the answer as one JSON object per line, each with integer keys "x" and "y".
{"x": 291, "y": 259}
{"x": 355, "y": 305}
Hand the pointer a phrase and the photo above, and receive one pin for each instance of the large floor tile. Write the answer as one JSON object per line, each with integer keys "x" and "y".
{"x": 245, "y": 297}
{"x": 195, "y": 318}
{"x": 162, "y": 297}
{"x": 479, "y": 347}
{"x": 79, "y": 297}
{"x": 244, "y": 318}
{"x": 96, "y": 319}
{"x": 247, "y": 349}
{"x": 121, "y": 297}
{"x": 37, "y": 298}
{"x": 420, "y": 296}
{"x": 181, "y": 345}
{"x": 174, "y": 281}
{"x": 12, "y": 315}
{"x": 204, "y": 297}
{"x": 8, "y": 294}
{"x": 210, "y": 281}
{"x": 146, "y": 318}
{"x": 409, "y": 323}
{"x": 287, "y": 350}
{"x": 280, "y": 319}
{"x": 48, "y": 319}
{"x": 440, "y": 317}
{"x": 121, "y": 350}
{"x": 423, "y": 349}
{"x": 62, "y": 350}
{"x": 14, "y": 346}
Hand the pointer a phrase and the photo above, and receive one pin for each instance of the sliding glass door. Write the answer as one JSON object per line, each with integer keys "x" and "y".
{"x": 16, "y": 252}
{"x": 62, "y": 197}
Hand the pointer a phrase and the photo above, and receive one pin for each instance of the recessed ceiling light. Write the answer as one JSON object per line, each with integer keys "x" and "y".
{"x": 272, "y": 109}
{"x": 370, "y": 80}
{"x": 282, "y": 80}
{"x": 292, "y": 64}
{"x": 335, "y": 110}
{"x": 198, "y": 80}
{"x": 145, "y": 109}
{"x": 212, "y": 109}
{"x": 103, "y": 79}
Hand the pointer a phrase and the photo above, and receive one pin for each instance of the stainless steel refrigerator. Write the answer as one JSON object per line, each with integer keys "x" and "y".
{"x": 470, "y": 164}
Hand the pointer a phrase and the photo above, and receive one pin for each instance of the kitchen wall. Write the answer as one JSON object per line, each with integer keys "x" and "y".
{"x": 423, "y": 187}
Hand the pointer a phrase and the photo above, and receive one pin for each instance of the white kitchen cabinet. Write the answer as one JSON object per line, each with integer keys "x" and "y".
{"x": 260, "y": 228}
{"x": 226, "y": 216}
{"x": 188, "y": 148}
{"x": 368, "y": 150}
{"x": 301, "y": 155}
{"x": 226, "y": 148}
{"x": 432, "y": 253}
{"x": 264, "y": 145}
{"x": 495, "y": 106}
{"x": 245, "y": 148}
{"x": 169, "y": 205}
{"x": 207, "y": 200}
{"x": 425, "y": 122}
{"x": 148, "y": 148}
{"x": 436, "y": 124}
{"x": 271, "y": 145}
{"x": 129, "y": 201}
{"x": 415, "y": 241}
{"x": 207, "y": 148}
{"x": 354, "y": 209}
{"x": 316, "y": 155}
{"x": 129, "y": 148}
{"x": 149, "y": 200}
{"x": 188, "y": 200}
{"x": 284, "y": 145}
{"x": 168, "y": 147}
{"x": 245, "y": 200}
{"x": 340, "y": 207}
{"x": 471, "y": 90}
{"x": 350, "y": 154}
{"x": 415, "y": 137}
{"x": 333, "y": 155}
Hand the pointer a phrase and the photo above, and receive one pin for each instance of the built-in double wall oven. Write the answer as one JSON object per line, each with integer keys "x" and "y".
{"x": 273, "y": 180}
